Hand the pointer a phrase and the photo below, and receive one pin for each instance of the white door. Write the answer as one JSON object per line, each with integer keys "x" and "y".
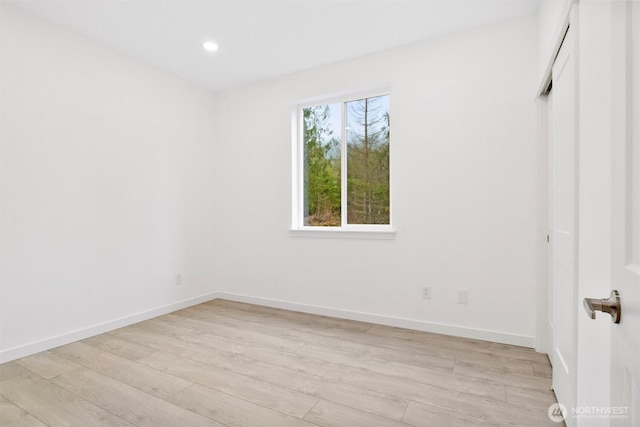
{"x": 625, "y": 256}
{"x": 564, "y": 139}
{"x": 549, "y": 230}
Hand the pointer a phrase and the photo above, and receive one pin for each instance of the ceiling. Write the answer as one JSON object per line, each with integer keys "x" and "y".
{"x": 261, "y": 39}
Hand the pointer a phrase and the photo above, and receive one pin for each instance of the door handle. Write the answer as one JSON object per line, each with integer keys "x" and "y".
{"x": 609, "y": 305}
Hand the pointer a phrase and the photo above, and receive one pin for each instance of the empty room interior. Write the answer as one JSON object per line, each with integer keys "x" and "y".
{"x": 319, "y": 213}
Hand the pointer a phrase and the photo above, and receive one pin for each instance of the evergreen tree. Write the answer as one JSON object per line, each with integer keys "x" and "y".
{"x": 368, "y": 138}
{"x": 321, "y": 168}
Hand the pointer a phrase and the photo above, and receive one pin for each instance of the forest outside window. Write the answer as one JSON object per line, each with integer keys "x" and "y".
{"x": 343, "y": 165}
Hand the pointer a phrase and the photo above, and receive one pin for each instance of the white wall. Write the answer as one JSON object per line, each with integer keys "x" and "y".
{"x": 463, "y": 188}
{"x": 105, "y": 186}
{"x": 114, "y": 178}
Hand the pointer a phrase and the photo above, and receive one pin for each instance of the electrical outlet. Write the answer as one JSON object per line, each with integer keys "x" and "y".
{"x": 426, "y": 292}
{"x": 463, "y": 296}
{"x": 178, "y": 279}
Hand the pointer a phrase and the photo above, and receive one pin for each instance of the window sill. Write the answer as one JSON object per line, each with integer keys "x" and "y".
{"x": 325, "y": 232}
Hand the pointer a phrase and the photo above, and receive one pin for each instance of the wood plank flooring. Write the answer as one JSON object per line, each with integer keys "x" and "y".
{"x": 224, "y": 363}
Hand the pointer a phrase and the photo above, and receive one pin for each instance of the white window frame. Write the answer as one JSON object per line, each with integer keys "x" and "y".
{"x": 355, "y": 231}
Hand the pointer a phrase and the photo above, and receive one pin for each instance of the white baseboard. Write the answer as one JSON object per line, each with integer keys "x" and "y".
{"x": 80, "y": 334}
{"x": 418, "y": 325}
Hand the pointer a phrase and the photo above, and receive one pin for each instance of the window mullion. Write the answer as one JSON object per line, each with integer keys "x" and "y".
{"x": 343, "y": 165}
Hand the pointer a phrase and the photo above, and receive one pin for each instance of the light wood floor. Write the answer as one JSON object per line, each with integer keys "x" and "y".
{"x": 229, "y": 364}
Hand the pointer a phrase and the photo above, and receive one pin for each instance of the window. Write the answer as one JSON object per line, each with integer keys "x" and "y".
{"x": 342, "y": 165}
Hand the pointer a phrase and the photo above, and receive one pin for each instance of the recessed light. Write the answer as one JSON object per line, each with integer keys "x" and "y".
{"x": 210, "y": 46}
